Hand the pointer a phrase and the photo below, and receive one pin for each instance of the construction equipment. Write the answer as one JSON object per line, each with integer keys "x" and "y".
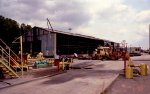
{"x": 106, "y": 53}
{"x": 100, "y": 53}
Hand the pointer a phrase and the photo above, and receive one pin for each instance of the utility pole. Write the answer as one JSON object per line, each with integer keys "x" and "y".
{"x": 21, "y": 53}
{"x": 149, "y": 39}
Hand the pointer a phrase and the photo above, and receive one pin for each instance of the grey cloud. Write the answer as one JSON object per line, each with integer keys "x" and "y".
{"x": 114, "y": 13}
{"x": 67, "y": 5}
{"x": 71, "y": 12}
{"x": 22, "y": 10}
{"x": 31, "y": 2}
{"x": 73, "y": 18}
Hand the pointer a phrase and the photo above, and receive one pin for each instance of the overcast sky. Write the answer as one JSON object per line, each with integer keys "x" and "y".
{"x": 114, "y": 20}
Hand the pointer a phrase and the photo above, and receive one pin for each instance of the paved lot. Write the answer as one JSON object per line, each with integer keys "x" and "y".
{"x": 93, "y": 78}
{"x": 30, "y": 75}
{"x": 137, "y": 85}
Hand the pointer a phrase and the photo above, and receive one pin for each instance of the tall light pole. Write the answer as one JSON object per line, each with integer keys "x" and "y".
{"x": 149, "y": 39}
{"x": 21, "y": 53}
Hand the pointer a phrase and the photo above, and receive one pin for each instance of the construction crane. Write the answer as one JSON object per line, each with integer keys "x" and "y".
{"x": 50, "y": 29}
{"x": 49, "y": 25}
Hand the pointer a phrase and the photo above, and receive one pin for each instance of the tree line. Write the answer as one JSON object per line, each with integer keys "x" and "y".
{"x": 11, "y": 29}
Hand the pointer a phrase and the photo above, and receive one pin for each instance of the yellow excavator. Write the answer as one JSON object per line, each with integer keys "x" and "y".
{"x": 105, "y": 53}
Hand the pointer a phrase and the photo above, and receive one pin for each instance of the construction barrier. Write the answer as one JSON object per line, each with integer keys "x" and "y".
{"x": 129, "y": 72}
{"x": 143, "y": 69}
{"x": 64, "y": 65}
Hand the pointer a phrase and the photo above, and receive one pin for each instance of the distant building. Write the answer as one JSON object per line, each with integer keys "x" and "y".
{"x": 60, "y": 43}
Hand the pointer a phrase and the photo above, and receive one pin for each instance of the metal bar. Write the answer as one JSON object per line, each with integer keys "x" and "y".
{"x": 9, "y": 68}
{"x": 50, "y": 25}
{"x": 7, "y": 54}
{"x": 2, "y": 53}
{"x": 9, "y": 57}
{"x": 21, "y": 54}
{"x": 149, "y": 38}
{"x": 9, "y": 48}
{"x": 10, "y": 65}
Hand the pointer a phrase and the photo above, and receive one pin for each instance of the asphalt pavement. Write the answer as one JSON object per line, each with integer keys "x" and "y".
{"x": 93, "y": 77}
{"x": 138, "y": 85}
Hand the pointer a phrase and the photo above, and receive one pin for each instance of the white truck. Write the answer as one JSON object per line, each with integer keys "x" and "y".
{"x": 134, "y": 51}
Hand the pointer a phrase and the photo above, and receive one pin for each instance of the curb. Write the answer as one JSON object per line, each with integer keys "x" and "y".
{"x": 34, "y": 79}
{"x": 105, "y": 90}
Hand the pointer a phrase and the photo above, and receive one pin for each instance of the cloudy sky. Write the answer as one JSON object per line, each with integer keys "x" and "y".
{"x": 114, "y": 20}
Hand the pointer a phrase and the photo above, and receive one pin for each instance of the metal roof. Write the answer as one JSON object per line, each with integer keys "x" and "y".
{"x": 72, "y": 34}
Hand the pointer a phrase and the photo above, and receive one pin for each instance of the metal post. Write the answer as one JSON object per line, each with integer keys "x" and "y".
{"x": 124, "y": 65}
{"x": 63, "y": 64}
{"x": 2, "y": 53}
{"x": 9, "y": 57}
{"x": 149, "y": 39}
{"x": 130, "y": 50}
{"x": 21, "y": 50}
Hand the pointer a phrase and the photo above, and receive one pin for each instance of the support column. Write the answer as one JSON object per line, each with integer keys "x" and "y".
{"x": 149, "y": 38}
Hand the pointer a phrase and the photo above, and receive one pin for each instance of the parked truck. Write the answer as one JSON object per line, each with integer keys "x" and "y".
{"x": 134, "y": 51}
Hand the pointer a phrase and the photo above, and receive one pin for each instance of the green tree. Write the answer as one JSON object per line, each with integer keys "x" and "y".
{"x": 25, "y": 28}
{"x": 9, "y": 29}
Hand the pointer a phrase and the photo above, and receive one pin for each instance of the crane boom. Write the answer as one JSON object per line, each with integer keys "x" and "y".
{"x": 49, "y": 24}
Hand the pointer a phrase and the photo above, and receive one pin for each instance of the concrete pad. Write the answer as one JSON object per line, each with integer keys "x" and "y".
{"x": 29, "y": 76}
{"x": 83, "y": 83}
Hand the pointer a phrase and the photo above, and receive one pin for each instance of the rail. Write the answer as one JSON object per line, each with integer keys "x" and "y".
{"x": 8, "y": 53}
{"x": 4, "y": 53}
